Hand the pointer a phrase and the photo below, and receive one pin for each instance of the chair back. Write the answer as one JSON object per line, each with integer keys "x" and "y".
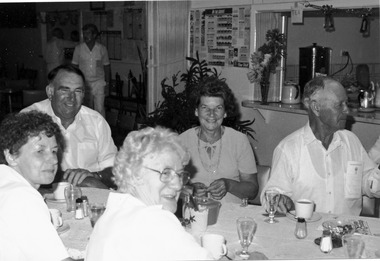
{"x": 263, "y": 173}
{"x": 32, "y": 96}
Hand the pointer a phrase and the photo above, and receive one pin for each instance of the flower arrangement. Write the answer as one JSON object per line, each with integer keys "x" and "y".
{"x": 267, "y": 57}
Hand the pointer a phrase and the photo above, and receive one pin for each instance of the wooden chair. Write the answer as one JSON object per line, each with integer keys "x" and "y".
{"x": 370, "y": 207}
{"x": 11, "y": 94}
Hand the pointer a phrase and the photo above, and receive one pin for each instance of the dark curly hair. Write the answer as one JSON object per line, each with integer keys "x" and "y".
{"x": 17, "y": 129}
{"x": 214, "y": 87}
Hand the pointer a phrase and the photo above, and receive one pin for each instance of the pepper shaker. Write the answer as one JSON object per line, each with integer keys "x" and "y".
{"x": 85, "y": 205}
{"x": 79, "y": 209}
{"x": 300, "y": 232}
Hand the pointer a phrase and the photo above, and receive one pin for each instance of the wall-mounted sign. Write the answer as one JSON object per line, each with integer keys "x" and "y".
{"x": 221, "y": 36}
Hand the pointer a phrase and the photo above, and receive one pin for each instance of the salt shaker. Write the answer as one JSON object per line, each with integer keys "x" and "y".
{"x": 326, "y": 242}
{"x": 79, "y": 209}
{"x": 85, "y": 206}
{"x": 300, "y": 232}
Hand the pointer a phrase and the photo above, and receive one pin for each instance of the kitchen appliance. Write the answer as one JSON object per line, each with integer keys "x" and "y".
{"x": 290, "y": 93}
{"x": 313, "y": 61}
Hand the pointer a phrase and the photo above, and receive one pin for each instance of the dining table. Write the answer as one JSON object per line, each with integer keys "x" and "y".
{"x": 272, "y": 241}
{"x": 75, "y": 233}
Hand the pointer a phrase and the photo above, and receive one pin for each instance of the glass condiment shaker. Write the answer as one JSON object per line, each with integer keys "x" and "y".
{"x": 79, "y": 209}
{"x": 300, "y": 232}
{"x": 326, "y": 242}
{"x": 85, "y": 205}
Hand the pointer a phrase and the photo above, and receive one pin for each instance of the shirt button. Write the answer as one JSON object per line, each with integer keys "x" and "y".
{"x": 330, "y": 193}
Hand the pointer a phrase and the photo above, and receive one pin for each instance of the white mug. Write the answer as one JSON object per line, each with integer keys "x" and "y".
{"x": 215, "y": 244}
{"x": 59, "y": 190}
{"x": 56, "y": 217}
{"x": 304, "y": 208}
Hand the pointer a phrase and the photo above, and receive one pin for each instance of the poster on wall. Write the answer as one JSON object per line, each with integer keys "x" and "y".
{"x": 221, "y": 36}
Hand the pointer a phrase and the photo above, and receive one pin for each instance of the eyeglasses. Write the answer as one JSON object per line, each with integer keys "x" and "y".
{"x": 168, "y": 174}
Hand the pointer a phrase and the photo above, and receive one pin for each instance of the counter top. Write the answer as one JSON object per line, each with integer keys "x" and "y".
{"x": 355, "y": 114}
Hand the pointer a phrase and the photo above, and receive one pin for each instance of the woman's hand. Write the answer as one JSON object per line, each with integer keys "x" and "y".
{"x": 200, "y": 189}
{"x": 218, "y": 189}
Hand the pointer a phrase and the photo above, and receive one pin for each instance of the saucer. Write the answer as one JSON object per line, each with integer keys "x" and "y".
{"x": 361, "y": 109}
{"x": 292, "y": 216}
{"x": 62, "y": 229}
{"x": 50, "y": 198}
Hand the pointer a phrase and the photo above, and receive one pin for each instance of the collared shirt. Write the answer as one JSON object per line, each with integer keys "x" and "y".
{"x": 89, "y": 144}
{"x": 91, "y": 62}
{"x": 131, "y": 230}
{"x": 303, "y": 169}
{"x": 27, "y": 233}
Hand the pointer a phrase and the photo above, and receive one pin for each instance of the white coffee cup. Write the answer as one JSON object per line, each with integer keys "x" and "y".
{"x": 56, "y": 217}
{"x": 199, "y": 225}
{"x": 304, "y": 208}
{"x": 215, "y": 244}
{"x": 59, "y": 190}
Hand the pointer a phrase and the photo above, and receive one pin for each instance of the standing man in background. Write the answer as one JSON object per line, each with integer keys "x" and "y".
{"x": 55, "y": 49}
{"x": 92, "y": 59}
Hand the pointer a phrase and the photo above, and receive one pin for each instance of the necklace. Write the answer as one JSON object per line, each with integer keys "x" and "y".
{"x": 207, "y": 154}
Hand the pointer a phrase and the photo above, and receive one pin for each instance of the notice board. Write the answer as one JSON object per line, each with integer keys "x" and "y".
{"x": 221, "y": 36}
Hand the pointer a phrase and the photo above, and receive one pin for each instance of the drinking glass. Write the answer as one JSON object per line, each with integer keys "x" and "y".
{"x": 272, "y": 197}
{"x": 246, "y": 228}
{"x": 96, "y": 211}
{"x": 71, "y": 194}
{"x": 354, "y": 246}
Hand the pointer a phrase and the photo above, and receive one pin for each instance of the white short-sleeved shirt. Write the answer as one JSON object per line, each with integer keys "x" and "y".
{"x": 88, "y": 139}
{"x": 303, "y": 168}
{"x": 236, "y": 156}
{"x": 26, "y": 232}
{"x": 131, "y": 230}
{"x": 91, "y": 62}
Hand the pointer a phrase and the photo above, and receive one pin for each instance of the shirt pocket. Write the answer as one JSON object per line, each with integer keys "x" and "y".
{"x": 353, "y": 180}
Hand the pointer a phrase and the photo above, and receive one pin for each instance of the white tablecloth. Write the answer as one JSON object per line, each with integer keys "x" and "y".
{"x": 76, "y": 238}
{"x": 276, "y": 241}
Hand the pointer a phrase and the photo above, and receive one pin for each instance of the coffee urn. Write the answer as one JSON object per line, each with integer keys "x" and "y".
{"x": 314, "y": 61}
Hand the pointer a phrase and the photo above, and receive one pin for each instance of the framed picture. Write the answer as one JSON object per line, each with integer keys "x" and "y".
{"x": 95, "y": 6}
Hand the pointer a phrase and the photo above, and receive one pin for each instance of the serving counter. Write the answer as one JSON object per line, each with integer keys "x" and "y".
{"x": 355, "y": 114}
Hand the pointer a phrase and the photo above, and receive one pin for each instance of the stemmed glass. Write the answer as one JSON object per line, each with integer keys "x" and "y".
{"x": 246, "y": 228}
{"x": 272, "y": 197}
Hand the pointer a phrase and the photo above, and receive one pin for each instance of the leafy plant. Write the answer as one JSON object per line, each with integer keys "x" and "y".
{"x": 177, "y": 111}
{"x": 268, "y": 56}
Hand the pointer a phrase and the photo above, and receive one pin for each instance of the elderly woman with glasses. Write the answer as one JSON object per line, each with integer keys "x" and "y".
{"x": 139, "y": 221}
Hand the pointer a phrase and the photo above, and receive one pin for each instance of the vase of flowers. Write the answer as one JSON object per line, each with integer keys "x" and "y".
{"x": 266, "y": 59}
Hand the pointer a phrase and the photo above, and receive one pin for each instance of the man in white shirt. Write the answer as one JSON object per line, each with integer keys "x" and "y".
{"x": 90, "y": 150}
{"x": 92, "y": 59}
{"x": 322, "y": 161}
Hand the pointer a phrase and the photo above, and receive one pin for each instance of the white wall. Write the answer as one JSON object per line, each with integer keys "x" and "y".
{"x": 278, "y": 124}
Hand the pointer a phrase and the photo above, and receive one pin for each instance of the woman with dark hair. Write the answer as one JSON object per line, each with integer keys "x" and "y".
{"x": 29, "y": 147}
{"x": 223, "y": 161}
